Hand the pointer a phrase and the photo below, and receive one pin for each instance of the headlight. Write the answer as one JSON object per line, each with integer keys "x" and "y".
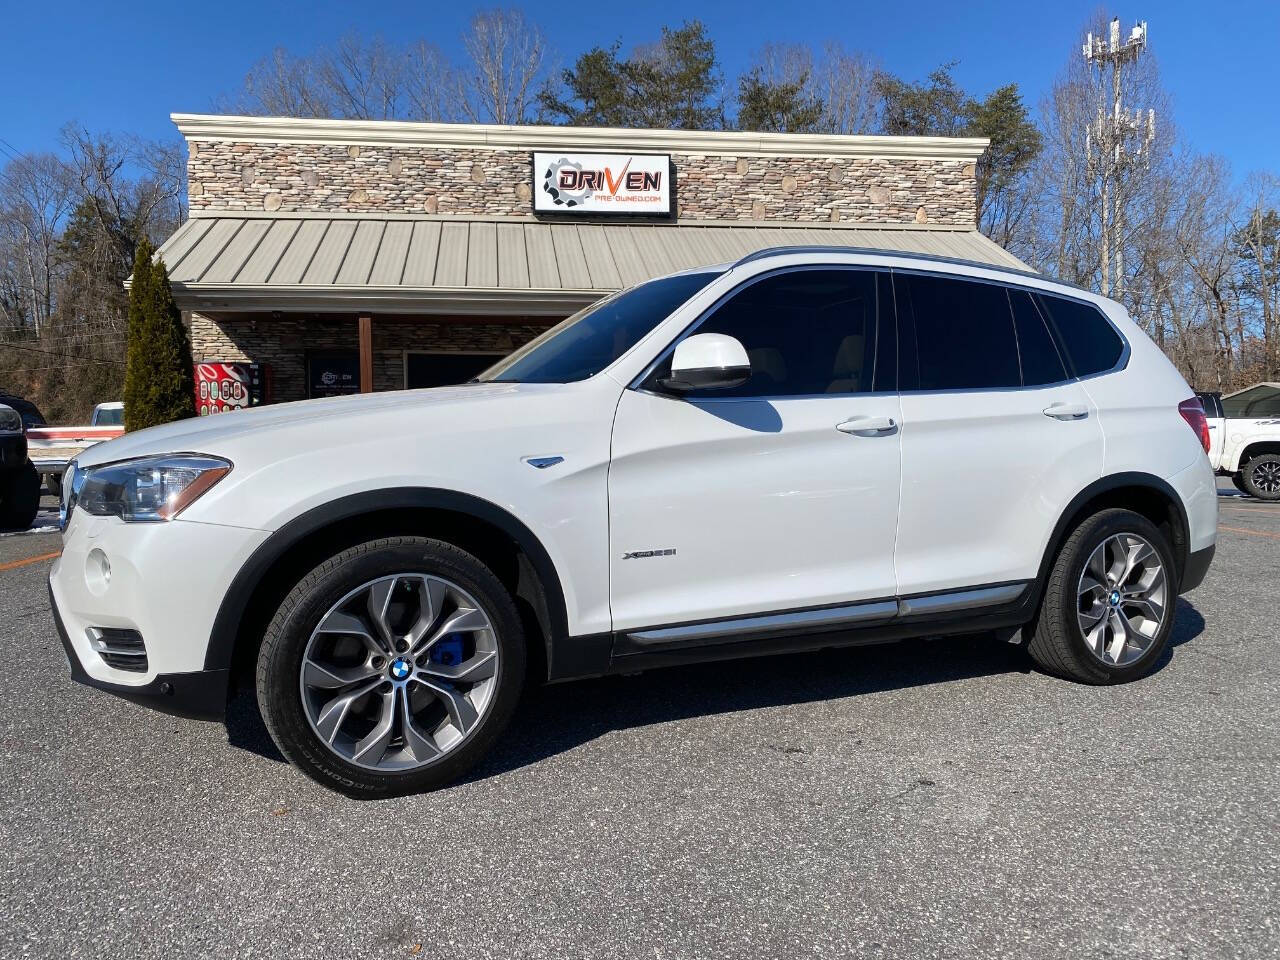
{"x": 147, "y": 489}
{"x": 10, "y": 420}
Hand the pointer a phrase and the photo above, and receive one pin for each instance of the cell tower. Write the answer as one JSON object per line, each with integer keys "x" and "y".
{"x": 1116, "y": 141}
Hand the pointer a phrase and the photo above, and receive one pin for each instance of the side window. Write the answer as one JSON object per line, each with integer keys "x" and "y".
{"x": 1041, "y": 362}
{"x": 963, "y": 334}
{"x": 805, "y": 332}
{"x": 1092, "y": 344}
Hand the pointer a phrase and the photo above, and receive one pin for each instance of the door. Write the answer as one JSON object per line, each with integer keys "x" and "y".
{"x": 996, "y": 437}
{"x": 778, "y": 494}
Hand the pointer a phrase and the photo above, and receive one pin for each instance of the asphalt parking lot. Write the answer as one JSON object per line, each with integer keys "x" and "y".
{"x": 928, "y": 799}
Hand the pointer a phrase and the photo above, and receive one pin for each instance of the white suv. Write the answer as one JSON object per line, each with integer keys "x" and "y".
{"x": 806, "y": 448}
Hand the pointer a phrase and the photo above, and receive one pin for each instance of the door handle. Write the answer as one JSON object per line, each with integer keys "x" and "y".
{"x": 1066, "y": 411}
{"x": 868, "y": 425}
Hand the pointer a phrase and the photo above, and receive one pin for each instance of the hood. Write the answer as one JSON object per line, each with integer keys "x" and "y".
{"x": 356, "y": 414}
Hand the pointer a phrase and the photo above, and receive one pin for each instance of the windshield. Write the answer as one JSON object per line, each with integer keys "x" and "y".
{"x": 597, "y": 335}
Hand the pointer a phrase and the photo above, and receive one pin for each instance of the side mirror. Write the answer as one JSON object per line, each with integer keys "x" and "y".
{"x": 707, "y": 361}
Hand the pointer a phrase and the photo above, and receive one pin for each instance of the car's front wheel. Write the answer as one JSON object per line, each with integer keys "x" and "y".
{"x": 1261, "y": 476}
{"x": 392, "y": 667}
{"x": 1109, "y": 602}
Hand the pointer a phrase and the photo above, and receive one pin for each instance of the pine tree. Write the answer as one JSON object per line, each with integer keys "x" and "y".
{"x": 158, "y": 378}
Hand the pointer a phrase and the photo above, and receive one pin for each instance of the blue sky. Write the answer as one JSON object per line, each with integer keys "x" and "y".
{"x": 125, "y": 67}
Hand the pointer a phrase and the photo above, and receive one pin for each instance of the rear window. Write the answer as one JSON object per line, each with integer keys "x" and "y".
{"x": 1092, "y": 344}
{"x": 1253, "y": 403}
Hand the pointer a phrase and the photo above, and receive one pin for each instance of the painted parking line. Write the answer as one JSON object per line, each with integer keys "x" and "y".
{"x": 1251, "y": 533}
{"x": 15, "y": 564}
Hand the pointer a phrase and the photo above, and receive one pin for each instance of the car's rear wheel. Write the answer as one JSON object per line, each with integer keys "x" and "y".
{"x": 1261, "y": 476}
{"x": 20, "y": 498}
{"x": 392, "y": 667}
{"x": 1109, "y": 602}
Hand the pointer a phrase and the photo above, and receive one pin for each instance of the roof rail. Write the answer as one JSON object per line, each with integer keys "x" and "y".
{"x": 881, "y": 252}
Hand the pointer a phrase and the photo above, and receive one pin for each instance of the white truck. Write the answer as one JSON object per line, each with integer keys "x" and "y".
{"x": 52, "y": 448}
{"x": 1244, "y": 438}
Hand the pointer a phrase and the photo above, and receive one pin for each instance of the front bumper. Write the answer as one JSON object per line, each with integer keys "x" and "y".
{"x": 164, "y": 583}
{"x": 200, "y": 695}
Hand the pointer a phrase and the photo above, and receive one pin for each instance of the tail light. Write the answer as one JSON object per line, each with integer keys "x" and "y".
{"x": 1193, "y": 412}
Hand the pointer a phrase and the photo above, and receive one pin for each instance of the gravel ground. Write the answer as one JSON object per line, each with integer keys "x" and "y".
{"x": 929, "y": 799}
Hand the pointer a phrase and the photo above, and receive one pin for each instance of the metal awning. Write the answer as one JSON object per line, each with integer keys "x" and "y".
{"x": 466, "y": 265}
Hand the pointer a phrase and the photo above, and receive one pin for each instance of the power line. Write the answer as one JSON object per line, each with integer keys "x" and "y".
{"x": 63, "y": 356}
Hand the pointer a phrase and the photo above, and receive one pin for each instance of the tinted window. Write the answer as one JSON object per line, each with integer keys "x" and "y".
{"x": 1037, "y": 352}
{"x": 593, "y": 338}
{"x": 1092, "y": 344}
{"x": 805, "y": 331}
{"x": 964, "y": 337}
{"x": 1254, "y": 403}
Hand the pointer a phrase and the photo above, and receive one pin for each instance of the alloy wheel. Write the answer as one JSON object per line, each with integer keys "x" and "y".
{"x": 1122, "y": 599}
{"x": 399, "y": 672}
{"x": 1266, "y": 476}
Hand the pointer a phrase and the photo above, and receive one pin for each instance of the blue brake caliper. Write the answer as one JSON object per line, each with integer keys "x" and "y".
{"x": 447, "y": 651}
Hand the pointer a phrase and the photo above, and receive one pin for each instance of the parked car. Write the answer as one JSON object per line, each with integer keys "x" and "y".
{"x": 19, "y": 482}
{"x": 53, "y": 447}
{"x": 1244, "y": 438}
{"x": 30, "y": 413}
{"x": 807, "y": 448}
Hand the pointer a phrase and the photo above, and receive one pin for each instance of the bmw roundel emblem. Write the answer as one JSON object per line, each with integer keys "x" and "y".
{"x": 400, "y": 668}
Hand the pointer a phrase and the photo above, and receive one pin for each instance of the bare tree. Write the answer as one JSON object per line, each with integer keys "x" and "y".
{"x": 430, "y": 84}
{"x": 282, "y": 85}
{"x": 507, "y": 61}
{"x": 843, "y": 82}
{"x": 1256, "y": 242}
{"x": 363, "y": 79}
{"x": 36, "y": 195}
{"x": 507, "y": 64}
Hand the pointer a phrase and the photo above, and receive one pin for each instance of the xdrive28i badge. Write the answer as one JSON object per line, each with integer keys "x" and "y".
{"x": 646, "y": 554}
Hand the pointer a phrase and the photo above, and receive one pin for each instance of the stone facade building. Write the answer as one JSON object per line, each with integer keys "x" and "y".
{"x": 343, "y": 255}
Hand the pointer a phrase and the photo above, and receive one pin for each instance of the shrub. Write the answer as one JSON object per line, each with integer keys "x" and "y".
{"x": 158, "y": 378}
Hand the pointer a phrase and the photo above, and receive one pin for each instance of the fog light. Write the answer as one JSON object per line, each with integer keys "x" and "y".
{"x": 97, "y": 571}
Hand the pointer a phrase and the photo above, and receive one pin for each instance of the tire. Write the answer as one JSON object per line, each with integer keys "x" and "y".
{"x": 1057, "y": 639}
{"x": 1237, "y": 481}
{"x": 1261, "y": 476}
{"x": 53, "y": 484}
{"x": 20, "y": 498}
{"x": 336, "y": 586}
